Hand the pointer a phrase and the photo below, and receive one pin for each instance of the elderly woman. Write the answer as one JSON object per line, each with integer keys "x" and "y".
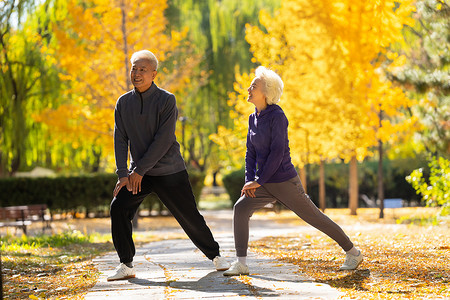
{"x": 270, "y": 175}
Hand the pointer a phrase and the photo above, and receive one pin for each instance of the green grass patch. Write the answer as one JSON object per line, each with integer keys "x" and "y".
{"x": 213, "y": 202}
{"x": 51, "y": 266}
{"x": 24, "y": 242}
{"x": 419, "y": 220}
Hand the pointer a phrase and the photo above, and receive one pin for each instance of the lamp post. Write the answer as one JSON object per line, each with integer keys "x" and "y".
{"x": 183, "y": 125}
{"x": 1, "y": 277}
{"x": 380, "y": 166}
{"x": 306, "y": 166}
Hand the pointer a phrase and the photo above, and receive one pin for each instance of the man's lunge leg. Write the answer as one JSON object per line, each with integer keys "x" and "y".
{"x": 176, "y": 193}
{"x": 123, "y": 209}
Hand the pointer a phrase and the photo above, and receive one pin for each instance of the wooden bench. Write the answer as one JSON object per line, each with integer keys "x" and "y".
{"x": 23, "y": 215}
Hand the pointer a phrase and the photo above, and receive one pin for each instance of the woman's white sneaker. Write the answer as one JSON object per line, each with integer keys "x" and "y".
{"x": 122, "y": 272}
{"x": 236, "y": 269}
{"x": 351, "y": 261}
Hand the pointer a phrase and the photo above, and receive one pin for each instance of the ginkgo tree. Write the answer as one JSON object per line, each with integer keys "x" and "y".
{"x": 95, "y": 40}
{"x": 329, "y": 54}
{"x": 365, "y": 30}
{"x": 216, "y": 32}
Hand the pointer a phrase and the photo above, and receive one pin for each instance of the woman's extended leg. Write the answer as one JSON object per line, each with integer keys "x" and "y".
{"x": 293, "y": 196}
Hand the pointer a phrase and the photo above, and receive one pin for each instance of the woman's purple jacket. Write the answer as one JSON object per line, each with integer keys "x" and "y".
{"x": 268, "y": 157}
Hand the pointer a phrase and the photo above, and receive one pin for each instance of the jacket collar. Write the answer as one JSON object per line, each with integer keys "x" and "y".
{"x": 268, "y": 110}
{"x": 153, "y": 88}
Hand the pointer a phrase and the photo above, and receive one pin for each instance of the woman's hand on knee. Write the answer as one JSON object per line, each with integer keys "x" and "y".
{"x": 249, "y": 189}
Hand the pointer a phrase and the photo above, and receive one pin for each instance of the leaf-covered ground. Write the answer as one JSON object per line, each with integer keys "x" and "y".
{"x": 401, "y": 261}
{"x": 59, "y": 266}
{"x": 51, "y": 273}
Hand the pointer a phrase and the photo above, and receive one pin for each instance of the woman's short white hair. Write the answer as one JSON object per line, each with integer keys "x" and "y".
{"x": 272, "y": 84}
{"x": 145, "y": 54}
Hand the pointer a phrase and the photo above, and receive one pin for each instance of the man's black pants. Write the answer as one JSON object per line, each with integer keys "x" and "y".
{"x": 176, "y": 193}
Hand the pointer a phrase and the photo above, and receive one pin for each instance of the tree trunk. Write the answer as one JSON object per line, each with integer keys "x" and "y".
{"x": 125, "y": 44}
{"x": 353, "y": 186}
{"x": 322, "y": 201}
{"x": 303, "y": 178}
{"x": 380, "y": 173}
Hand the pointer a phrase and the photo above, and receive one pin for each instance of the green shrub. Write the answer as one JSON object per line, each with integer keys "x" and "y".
{"x": 90, "y": 193}
{"x": 197, "y": 179}
{"x": 436, "y": 190}
{"x": 336, "y": 181}
{"x": 337, "y": 176}
{"x": 233, "y": 183}
{"x": 60, "y": 193}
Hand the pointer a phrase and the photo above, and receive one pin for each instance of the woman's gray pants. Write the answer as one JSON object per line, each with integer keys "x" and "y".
{"x": 292, "y": 195}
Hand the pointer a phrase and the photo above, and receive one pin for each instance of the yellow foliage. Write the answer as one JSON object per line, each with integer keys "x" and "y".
{"x": 327, "y": 53}
{"x": 233, "y": 141}
{"x": 95, "y": 42}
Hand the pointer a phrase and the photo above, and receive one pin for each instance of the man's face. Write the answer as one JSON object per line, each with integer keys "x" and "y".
{"x": 142, "y": 74}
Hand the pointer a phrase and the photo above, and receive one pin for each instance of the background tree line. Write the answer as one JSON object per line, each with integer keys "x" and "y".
{"x": 75, "y": 57}
{"x": 359, "y": 78}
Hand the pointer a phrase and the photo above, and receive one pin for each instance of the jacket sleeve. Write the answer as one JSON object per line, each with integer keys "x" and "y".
{"x": 250, "y": 158}
{"x": 162, "y": 140}
{"x": 278, "y": 136}
{"x": 120, "y": 143}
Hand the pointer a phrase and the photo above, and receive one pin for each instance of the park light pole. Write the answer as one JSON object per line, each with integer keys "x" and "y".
{"x": 305, "y": 172}
{"x": 183, "y": 125}
{"x": 380, "y": 166}
{"x": 1, "y": 277}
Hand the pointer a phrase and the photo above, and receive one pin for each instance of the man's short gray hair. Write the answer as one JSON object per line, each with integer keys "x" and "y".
{"x": 272, "y": 84}
{"x": 145, "y": 54}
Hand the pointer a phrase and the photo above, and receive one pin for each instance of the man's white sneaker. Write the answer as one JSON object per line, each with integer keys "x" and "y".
{"x": 221, "y": 263}
{"x": 236, "y": 269}
{"x": 351, "y": 261}
{"x": 122, "y": 272}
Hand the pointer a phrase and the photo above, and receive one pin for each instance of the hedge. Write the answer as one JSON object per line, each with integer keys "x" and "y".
{"x": 89, "y": 193}
{"x": 336, "y": 181}
{"x": 233, "y": 183}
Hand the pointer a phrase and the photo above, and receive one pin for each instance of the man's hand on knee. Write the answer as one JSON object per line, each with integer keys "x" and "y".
{"x": 120, "y": 183}
{"x": 135, "y": 182}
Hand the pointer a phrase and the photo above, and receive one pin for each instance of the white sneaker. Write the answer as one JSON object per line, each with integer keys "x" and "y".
{"x": 236, "y": 269}
{"x": 351, "y": 261}
{"x": 122, "y": 272}
{"x": 220, "y": 263}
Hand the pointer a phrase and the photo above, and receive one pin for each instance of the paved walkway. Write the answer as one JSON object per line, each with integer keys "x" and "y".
{"x": 175, "y": 269}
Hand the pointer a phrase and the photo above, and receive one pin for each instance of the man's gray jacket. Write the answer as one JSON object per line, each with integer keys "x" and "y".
{"x": 146, "y": 123}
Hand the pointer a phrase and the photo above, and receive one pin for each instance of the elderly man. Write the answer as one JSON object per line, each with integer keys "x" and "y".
{"x": 145, "y": 120}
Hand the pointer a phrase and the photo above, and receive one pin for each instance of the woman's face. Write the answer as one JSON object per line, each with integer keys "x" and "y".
{"x": 255, "y": 92}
